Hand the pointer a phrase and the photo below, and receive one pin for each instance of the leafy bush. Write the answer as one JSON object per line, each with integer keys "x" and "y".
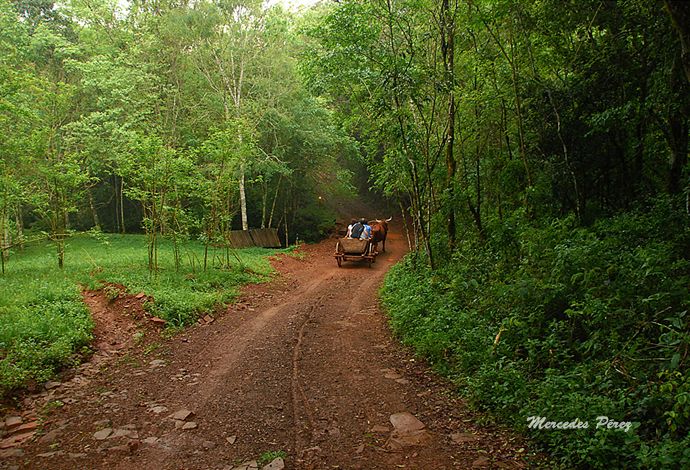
{"x": 39, "y": 338}
{"x": 566, "y": 323}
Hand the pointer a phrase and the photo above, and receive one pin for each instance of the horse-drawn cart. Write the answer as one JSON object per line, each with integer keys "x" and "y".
{"x": 352, "y": 249}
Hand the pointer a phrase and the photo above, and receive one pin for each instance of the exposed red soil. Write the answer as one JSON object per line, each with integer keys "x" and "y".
{"x": 304, "y": 364}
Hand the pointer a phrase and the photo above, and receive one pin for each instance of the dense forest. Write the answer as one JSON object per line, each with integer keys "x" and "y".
{"x": 177, "y": 119}
{"x": 537, "y": 151}
{"x": 540, "y": 150}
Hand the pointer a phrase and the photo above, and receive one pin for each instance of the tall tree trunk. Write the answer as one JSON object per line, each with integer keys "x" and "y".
{"x": 243, "y": 200}
{"x": 403, "y": 214}
{"x": 518, "y": 110}
{"x": 416, "y": 191}
{"x": 60, "y": 238}
{"x": 448, "y": 50}
{"x": 117, "y": 204}
{"x": 640, "y": 133}
{"x": 568, "y": 164}
{"x": 122, "y": 208}
{"x": 518, "y": 101}
{"x": 58, "y": 221}
{"x": 19, "y": 219}
{"x": 94, "y": 212}
{"x": 264, "y": 203}
{"x": 680, "y": 17}
{"x": 5, "y": 229}
{"x": 275, "y": 198}
{"x": 287, "y": 240}
{"x": 210, "y": 229}
{"x": 678, "y": 131}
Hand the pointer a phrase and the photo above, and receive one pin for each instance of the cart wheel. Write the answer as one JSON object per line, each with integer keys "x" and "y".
{"x": 372, "y": 252}
{"x": 338, "y": 253}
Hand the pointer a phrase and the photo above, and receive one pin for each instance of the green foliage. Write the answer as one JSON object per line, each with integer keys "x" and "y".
{"x": 519, "y": 149}
{"x": 270, "y": 455}
{"x": 44, "y": 322}
{"x": 177, "y": 124}
{"x": 576, "y": 323}
{"x": 171, "y": 124}
{"x": 178, "y": 295}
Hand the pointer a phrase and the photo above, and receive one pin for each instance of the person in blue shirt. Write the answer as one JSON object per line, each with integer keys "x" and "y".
{"x": 366, "y": 232}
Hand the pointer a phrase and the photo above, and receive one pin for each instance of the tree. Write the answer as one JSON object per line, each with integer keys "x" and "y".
{"x": 159, "y": 176}
{"x": 16, "y": 116}
{"x": 680, "y": 16}
{"x": 222, "y": 157}
{"x": 227, "y": 42}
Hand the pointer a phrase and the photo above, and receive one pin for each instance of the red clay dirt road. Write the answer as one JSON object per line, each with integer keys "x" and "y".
{"x": 304, "y": 365}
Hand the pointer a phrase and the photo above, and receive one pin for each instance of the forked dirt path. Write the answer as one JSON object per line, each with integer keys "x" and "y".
{"x": 305, "y": 365}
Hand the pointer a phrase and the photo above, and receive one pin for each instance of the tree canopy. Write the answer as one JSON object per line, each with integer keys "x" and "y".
{"x": 176, "y": 119}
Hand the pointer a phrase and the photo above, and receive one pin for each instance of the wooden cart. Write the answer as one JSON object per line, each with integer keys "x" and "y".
{"x": 349, "y": 249}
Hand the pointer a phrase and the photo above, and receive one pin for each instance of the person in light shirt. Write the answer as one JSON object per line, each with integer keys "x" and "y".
{"x": 366, "y": 232}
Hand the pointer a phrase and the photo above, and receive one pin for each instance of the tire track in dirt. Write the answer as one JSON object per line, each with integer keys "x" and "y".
{"x": 241, "y": 339}
{"x": 349, "y": 299}
{"x": 236, "y": 362}
{"x": 299, "y": 398}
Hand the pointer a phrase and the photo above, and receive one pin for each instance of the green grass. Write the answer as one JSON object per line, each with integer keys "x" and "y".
{"x": 269, "y": 456}
{"x": 44, "y": 322}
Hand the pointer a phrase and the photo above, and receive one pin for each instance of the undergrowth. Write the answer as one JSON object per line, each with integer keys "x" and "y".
{"x": 565, "y": 323}
{"x": 44, "y": 323}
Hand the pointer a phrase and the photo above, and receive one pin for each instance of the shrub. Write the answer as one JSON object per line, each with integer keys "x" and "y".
{"x": 567, "y": 322}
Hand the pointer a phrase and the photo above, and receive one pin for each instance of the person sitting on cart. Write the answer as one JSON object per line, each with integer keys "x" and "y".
{"x": 356, "y": 229}
{"x": 366, "y": 230}
{"x": 349, "y": 228}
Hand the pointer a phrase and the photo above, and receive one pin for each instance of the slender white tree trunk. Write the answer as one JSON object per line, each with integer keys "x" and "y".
{"x": 273, "y": 206}
{"x": 243, "y": 200}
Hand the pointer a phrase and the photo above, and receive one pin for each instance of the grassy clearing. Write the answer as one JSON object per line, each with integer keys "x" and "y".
{"x": 44, "y": 322}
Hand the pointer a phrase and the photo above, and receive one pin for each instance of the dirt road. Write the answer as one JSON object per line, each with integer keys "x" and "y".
{"x": 304, "y": 367}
